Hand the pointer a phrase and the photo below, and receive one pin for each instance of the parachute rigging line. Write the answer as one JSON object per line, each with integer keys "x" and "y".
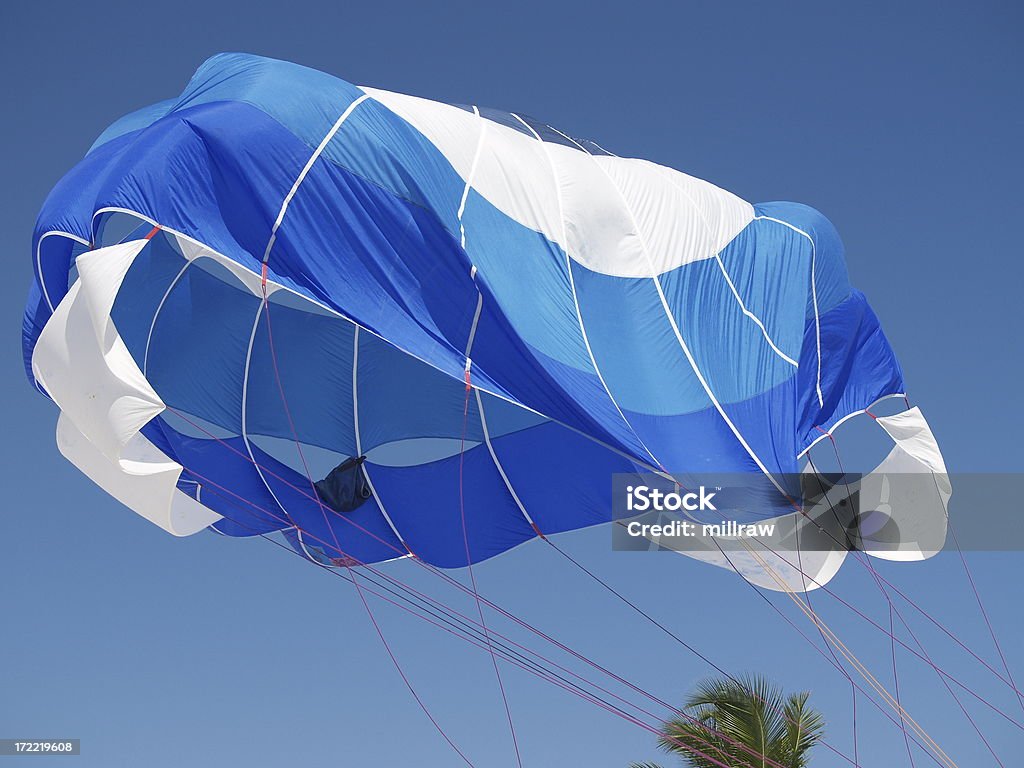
{"x": 531, "y": 666}
{"x": 840, "y": 667}
{"x": 896, "y": 685}
{"x": 446, "y": 578}
{"x": 854, "y": 661}
{"x": 469, "y": 559}
{"x": 984, "y": 613}
{"x": 455, "y": 583}
{"x": 379, "y": 631}
{"x": 352, "y": 574}
{"x": 461, "y": 587}
{"x": 650, "y": 619}
{"x": 827, "y": 658}
{"x": 877, "y": 579}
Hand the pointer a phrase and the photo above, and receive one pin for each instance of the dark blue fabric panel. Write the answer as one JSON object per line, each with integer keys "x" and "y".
{"x": 69, "y": 208}
{"x": 858, "y": 366}
{"x": 423, "y": 502}
{"x": 563, "y": 480}
{"x": 232, "y": 487}
{"x": 362, "y": 534}
{"x": 229, "y": 483}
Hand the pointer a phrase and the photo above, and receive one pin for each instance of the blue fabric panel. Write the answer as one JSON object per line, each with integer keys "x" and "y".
{"x": 404, "y": 276}
{"x": 527, "y": 275}
{"x": 562, "y": 393}
{"x": 423, "y": 502}
{"x": 728, "y": 348}
{"x": 634, "y": 345}
{"x": 134, "y": 121}
{"x": 831, "y": 279}
{"x": 314, "y": 362}
{"x": 230, "y": 485}
{"x": 858, "y": 367}
{"x": 148, "y": 280}
{"x": 504, "y": 417}
{"x": 228, "y": 192}
{"x": 363, "y": 534}
{"x": 770, "y": 265}
{"x": 377, "y": 145}
{"x": 401, "y": 397}
{"x": 563, "y": 480}
{"x": 306, "y": 102}
{"x": 69, "y": 208}
{"x": 193, "y": 369}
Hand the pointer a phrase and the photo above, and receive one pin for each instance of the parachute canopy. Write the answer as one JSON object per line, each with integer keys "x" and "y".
{"x": 497, "y": 315}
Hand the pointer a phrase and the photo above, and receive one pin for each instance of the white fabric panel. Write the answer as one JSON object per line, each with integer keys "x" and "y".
{"x": 774, "y": 562}
{"x": 144, "y": 480}
{"x": 193, "y": 250}
{"x": 83, "y": 364}
{"x": 911, "y": 432}
{"x": 904, "y": 502}
{"x": 682, "y": 218}
{"x": 598, "y": 226}
{"x": 512, "y": 171}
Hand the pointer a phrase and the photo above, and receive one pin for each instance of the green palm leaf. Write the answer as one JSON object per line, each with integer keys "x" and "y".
{"x": 742, "y": 723}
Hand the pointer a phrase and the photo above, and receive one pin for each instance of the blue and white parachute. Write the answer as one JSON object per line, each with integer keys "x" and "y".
{"x": 610, "y": 315}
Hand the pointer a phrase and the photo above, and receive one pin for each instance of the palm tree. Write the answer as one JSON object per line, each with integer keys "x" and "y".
{"x": 743, "y": 723}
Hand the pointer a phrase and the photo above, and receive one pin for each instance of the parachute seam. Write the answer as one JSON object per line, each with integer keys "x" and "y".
{"x": 462, "y": 235}
{"x": 359, "y": 441}
{"x": 476, "y": 318}
{"x": 572, "y": 285}
{"x": 39, "y": 259}
{"x": 497, "y": 463}
{"x": 679, "y": 335}
{"x": 305, "y": 171}
{"x": 245, "y": 396}
{"x": 156, "y": 313}
{"x": 721, "y": 265}
{"x": 814, "y": 294}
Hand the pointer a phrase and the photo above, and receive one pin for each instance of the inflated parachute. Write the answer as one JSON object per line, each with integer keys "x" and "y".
{"x": 496, "y": 315}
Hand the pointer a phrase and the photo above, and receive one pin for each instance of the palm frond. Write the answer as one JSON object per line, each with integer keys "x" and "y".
{"x": 743, "y": 723}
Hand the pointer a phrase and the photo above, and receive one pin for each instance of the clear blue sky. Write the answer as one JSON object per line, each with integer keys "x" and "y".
{"x": 902, "y": 122}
